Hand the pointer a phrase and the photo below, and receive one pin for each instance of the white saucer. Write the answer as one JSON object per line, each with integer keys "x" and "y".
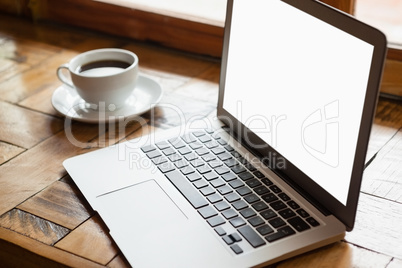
{"x": 146, "y": 95}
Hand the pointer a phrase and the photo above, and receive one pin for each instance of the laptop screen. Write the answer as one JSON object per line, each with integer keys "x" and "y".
{"x": 299, "y": 84}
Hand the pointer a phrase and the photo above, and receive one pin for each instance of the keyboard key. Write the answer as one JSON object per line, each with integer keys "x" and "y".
{"x": 256, "y": 221}
{"x": 266, "y": 181}
{"x": 275, "y": 189}
{"x": 265, "y": 229}
{"x": 251, "y": 236}
{"x": 235, "y": 154}
{"x": 270, "y": 197}
{"x": 177, "y": 144}
{"x": 211, "y": 144}
{"x": 204, "y": 139}
{"x": 261, "y": 190}
{"x": 228, "y": 176}
{"x": 197, "y": 163}
{"x": 241, "y": 159}
{"x": 220, "y": 231}
{"x": 162, "y": 145}
{"x": 247, "y": 213}
{"x": 230, "y": 213}
{"x": 293, "y": 204}
{"x": 224, "y": 156}
{"x": 199, "y": 133}
{"x": 187, "y": 170}
{"x": 195, "y": 145}
{"x": 217, "y": 182}
{"x": 278, "y": 205}
{"x": 188, "y": 138}
{"x": 299, "y": 224}
{"x": 207, "y": 190}
{"x": 215, "y": 221}
{"x": 203, "y": 169}
{"x": 284, "y": 197}
{"x": 222, "y": 142}
{"x": 236, "y": 249}
{"x": 185, "y": 187}
{"x": 243, "y": 191}
{"x": 215, "y": 163}
{"x": 283, "y": 232}
{"x": 208, "y": 157}
{"x": 193, "y": 176}
{"x": 302, "y": 213}
{"x": 190, "y": 156}
{"x": 268, "y": 214}
{"x": 277, "y": 222}
{"x": 259, "y": 206}
{"x": 168, "y": 151}
{"x": 239, "y": 205}
{"x": 287, "y": 213}
{"x": 211, "y": 176}
{"x": 207, "y": 212}
{"x": 237, "y": 222}
{"x": 154, "y": 154}
{"x": 202, "y": 151}
{"x": 312, "y": 222}
{"x": 148, "y": 148}
{"x": 232, "y": 197}
{"x": 246, "y": 176}
{"x": 253, "y": 183}
{"x": 236, "y": 237}
{"x": 223, "y": 170}
{"x": 229, "y": 148}
{"x": 250, "y": 167}
{"x": 224, "y": 190}
{"x": 181, "y": 164}
{"x": 259, "y": 174}
{"x": 213, "y": 198}
{"x": 200, "y": 183}
{"x": 231, "y": 162}
{"x": 159, "y": 160}
{"x": 238, "y": 169}
{"x": 236, "y": 183}
{"x": 166, "y": 167}
{"x": 175, "y": 157}
{"x": 222, "y": 205}
{"x": 218, "y": 150}
{"x": 228, "y": 240}
{"x": 184, "y": 150}
{"x": 252, "y": 198}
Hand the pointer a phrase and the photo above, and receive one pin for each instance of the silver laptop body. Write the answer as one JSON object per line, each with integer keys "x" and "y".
{"x": 298, "y": 89}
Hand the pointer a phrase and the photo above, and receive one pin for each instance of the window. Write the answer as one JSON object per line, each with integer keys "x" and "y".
{"x": 386, "y": 15}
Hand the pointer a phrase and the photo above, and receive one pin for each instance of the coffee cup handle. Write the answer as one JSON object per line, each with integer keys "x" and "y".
{"x": 62, "y": 77}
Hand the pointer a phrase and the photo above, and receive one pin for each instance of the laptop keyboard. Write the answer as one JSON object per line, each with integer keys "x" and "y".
{"x": 225, "y": 188}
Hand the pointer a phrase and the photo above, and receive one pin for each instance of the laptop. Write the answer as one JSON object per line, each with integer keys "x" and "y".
{"x": 276, "y": 173}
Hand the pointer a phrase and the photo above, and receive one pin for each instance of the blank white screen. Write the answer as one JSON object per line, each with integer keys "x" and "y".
{"x": 299, "y": 84}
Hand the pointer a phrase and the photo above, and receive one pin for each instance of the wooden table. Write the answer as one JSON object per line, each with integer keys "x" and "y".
{"x": 44, "y": 219}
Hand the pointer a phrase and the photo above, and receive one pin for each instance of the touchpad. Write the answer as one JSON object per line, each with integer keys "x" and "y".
{"x": 140, "y": 206}
{"x": 148, "y": 226}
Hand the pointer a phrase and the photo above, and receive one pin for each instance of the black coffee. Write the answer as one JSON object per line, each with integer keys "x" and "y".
{"x": 103, "y": 64}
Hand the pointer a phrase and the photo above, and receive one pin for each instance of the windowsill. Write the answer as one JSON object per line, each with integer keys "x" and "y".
{"x": 210, "y": 12}
{"x": 142, "y": 20}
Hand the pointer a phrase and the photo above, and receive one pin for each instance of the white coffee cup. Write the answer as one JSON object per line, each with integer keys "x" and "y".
{"x": 105, "y": 76}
